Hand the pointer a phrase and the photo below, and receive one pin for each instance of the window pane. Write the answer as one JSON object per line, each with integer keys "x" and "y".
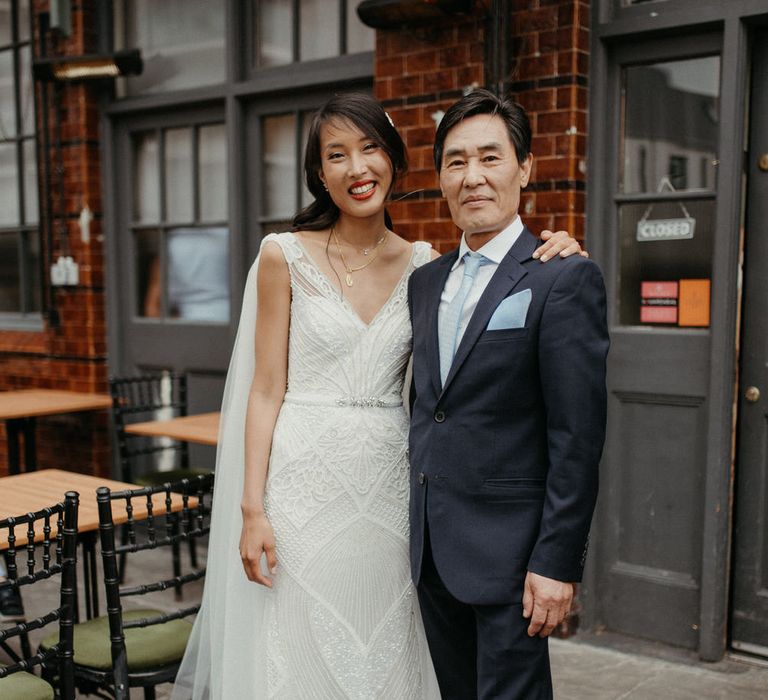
{"x": 34, "y": 292}
{"x": 5, "y": 23}
{"x": 9, "y": 185}
{"x": 149, "y": 274}
{"x": 179, "y": 190}
{"x": 212, "y": 158}
{"x": 198, "y": 274}
{"x": 146, "y": 185}
{"x": 31, "y": 212}
{"x": 658, "y": 264}
{"x": 319, "y": 30}
{"x": 181, "y": 41}
{"x": 671, "y": 139}
{"x": 279, "y": 139}
{"x": 10, "y": 279}
{"x": 274, "y": 32}
{"x": 25, "y": 90}
{"x": 7, "y": 97}
{"x": 23, "y": 20}
{"x": 359, "y": 37}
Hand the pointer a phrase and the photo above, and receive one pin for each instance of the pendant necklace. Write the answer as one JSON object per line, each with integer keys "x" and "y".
{"x": 375, "y": 250}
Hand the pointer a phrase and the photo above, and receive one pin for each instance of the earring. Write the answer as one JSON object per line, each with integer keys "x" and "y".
{"x": 325, "y": 187}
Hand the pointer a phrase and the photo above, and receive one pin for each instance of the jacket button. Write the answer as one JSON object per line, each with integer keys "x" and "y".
{"x": 439, "y": 417}
{"x": 421, "y": 479}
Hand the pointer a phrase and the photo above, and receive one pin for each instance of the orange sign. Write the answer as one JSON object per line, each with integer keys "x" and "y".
{"x": 693, "y": 304}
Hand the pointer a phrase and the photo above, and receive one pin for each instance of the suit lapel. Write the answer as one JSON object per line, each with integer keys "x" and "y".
{"x": 508, "y": 274}
{"x": 435, "y": 290}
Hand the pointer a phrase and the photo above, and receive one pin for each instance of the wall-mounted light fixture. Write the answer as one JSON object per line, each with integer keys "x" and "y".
{"x": 389, "y": 14}
{"x": 89, "y": 67}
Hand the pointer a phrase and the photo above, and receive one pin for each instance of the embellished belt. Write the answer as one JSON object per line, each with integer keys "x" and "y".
{"x": 300, "y": 398}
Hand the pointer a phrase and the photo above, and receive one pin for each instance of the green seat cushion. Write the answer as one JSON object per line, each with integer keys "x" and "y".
{"x": 25, "y": 686}
{"x": 146, "y": 648}
{"x": 157, "y": 478}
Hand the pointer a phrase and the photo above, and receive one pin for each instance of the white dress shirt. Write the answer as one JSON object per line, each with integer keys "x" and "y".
{"x": 494, "y": 250}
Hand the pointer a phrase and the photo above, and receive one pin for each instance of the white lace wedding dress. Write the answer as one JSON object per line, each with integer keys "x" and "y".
{"x": 342, "y": 619}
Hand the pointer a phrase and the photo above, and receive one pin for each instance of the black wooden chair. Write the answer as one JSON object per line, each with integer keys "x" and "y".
{"x": 137, "y": 399}
{"x": 142, "y": 647}
{"x": 57, "y": 529}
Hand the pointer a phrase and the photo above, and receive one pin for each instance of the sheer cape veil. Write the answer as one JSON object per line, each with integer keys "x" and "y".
{"x": 225, "y": 656}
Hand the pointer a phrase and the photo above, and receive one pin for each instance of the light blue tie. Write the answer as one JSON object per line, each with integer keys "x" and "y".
{"x": 448, "y": 331}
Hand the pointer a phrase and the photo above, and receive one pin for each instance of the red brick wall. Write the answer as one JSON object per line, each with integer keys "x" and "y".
{"x": 73, "y": 355}
{"x": 419, "y": 72}
{"x": 422, "y": 70}
{"x": 550, "y": 80}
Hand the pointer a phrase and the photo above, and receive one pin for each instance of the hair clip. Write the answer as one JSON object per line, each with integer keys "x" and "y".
{"x": 389, "y": 119}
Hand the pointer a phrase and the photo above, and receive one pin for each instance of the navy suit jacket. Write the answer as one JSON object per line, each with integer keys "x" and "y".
{"x": 504, "y": 457}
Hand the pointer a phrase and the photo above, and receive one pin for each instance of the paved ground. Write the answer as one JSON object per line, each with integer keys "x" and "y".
{"x": 620, "y": 668}
{"x": 586, "y": 667}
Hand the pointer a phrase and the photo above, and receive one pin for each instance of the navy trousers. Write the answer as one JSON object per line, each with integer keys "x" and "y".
{"x": 480, "y": 651}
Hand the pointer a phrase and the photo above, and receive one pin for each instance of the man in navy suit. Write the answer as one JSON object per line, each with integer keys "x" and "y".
{"x": 508, "y": 418}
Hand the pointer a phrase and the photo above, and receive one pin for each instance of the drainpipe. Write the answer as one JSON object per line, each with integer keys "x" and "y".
{"x": 498, "y": 47}
{"x": 49, "y": 293}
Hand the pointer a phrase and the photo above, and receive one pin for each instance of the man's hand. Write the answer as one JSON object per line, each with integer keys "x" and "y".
{"x": 558, "y": 243}
{"x": 546, "y": 602}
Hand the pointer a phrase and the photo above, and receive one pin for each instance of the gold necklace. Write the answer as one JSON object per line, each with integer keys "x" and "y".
{"x": 376, "y": 250}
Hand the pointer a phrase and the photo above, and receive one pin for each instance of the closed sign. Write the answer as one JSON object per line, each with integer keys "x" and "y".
{"x": 665, "y": 229}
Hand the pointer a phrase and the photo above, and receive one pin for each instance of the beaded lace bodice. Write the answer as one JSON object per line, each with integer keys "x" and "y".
{"x": 332, "y": 352}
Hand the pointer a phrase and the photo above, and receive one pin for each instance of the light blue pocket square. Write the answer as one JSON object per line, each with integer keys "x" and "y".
{"x": 511, "y": 312}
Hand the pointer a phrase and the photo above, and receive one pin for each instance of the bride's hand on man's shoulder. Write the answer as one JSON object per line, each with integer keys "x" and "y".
{"x": 257, "y": 538}
{"x": 558, "y": 243}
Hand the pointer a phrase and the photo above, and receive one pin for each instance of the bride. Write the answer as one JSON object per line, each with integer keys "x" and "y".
{"x": 312, "y": 469}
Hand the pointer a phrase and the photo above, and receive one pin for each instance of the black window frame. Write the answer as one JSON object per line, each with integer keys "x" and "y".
{"x": 27, "y": 234}
{"x": 251, "y": 68}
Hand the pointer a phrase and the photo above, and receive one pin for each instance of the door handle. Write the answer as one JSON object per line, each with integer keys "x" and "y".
{"x": 752, "y": 394}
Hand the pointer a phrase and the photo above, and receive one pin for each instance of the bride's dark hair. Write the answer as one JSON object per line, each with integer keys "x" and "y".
{"x": 366, "y": 114}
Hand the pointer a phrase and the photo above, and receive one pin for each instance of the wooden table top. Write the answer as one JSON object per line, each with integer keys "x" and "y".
{"x": 33, "y": 491}
{"x": 202, "y": 428}
{"x": 26, "y": 403}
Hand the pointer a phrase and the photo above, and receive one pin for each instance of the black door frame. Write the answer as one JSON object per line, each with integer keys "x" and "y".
{"x": 749, "y": 556}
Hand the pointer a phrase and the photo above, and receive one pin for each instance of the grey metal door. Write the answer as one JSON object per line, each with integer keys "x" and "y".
{"x": 749, "y": 628}
{"x": 661, "y": 230}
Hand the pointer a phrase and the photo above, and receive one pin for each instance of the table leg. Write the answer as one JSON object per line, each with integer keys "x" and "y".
{"x": 30, "y": 447}
{"x": 12, "y": 429}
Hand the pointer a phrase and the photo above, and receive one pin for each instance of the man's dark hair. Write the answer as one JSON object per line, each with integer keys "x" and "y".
{"x": 485, "y": 102}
